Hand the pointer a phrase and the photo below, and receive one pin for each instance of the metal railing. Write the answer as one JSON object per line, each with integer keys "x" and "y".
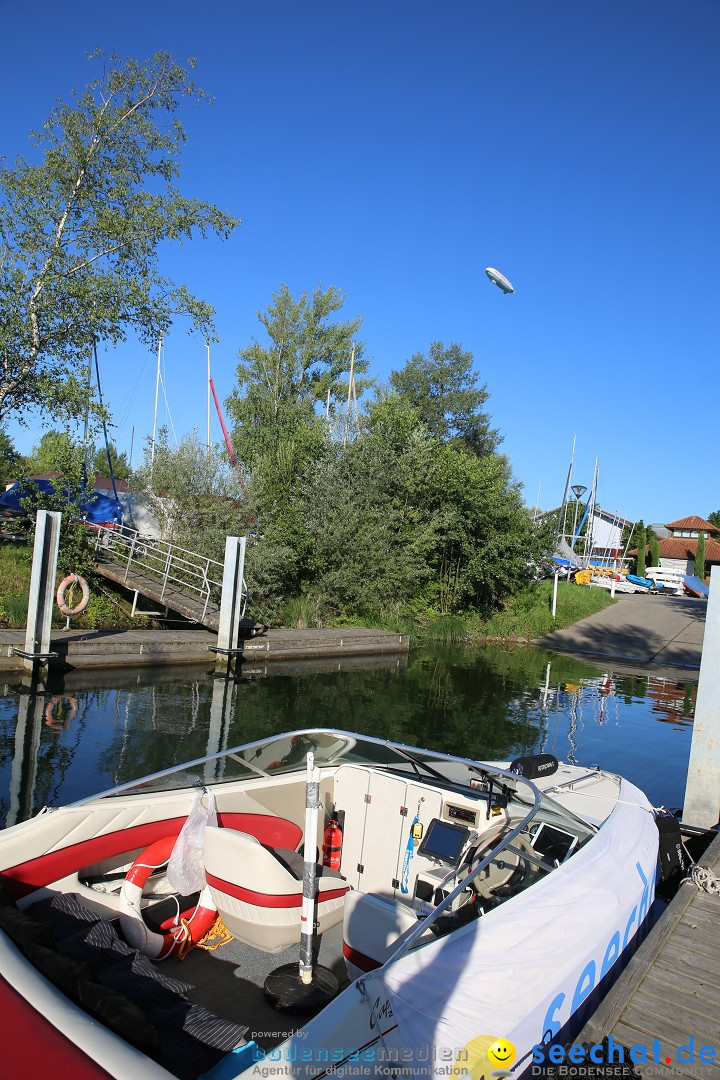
{"x": 166, "y": 563}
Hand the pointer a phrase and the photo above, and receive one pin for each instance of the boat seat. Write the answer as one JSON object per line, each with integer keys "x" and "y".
{"x": 258, "y": 890}
{"x": 373, "y": 928}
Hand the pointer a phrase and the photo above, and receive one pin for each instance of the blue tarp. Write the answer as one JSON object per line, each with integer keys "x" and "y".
{"x": 96, "y": 508}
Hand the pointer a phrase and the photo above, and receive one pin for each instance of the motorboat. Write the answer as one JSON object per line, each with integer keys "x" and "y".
{"x": 463, "y": 912}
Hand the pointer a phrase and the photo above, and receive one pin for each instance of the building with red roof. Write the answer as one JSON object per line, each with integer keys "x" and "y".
{"x": 678, "y": 550}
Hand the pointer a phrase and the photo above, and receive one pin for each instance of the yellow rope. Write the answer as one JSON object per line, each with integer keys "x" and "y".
{"x": 217, "y": 930}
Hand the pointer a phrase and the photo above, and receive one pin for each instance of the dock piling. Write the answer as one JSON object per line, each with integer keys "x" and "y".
{"x": 42, "y": 593}
{"x": 231, "y": 603}
{"x": 702, "y": 791}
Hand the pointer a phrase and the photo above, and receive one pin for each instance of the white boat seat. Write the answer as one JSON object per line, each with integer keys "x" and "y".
{"x": 257, "y": 891}
{"x": 373, "y": 928}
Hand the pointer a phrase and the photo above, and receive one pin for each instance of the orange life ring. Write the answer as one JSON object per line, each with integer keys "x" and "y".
{"x": 67, "y": 583}
{"x": 180, "y": 937}
{"x": 59, "y": 722}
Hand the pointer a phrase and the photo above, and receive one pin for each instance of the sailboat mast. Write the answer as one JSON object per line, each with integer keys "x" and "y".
{"x": 157, "y": 390}
{"x": 591, "y": 514}
{"x": 564, "y": 507}
{"x": 208, "y": 398}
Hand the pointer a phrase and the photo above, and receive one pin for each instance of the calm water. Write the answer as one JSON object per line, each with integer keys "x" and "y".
{"x": 492, "y": 703}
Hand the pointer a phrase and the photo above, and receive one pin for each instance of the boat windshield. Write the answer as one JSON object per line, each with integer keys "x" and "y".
{"x": 287, "y": 753}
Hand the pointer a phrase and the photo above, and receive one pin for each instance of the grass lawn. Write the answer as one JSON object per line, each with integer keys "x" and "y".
{"x": 104, "y": 612}
{"x": 529, "y": 614}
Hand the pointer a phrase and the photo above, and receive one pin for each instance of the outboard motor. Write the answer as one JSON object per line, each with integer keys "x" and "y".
{"x": 671, "y": 853}
{"x": 534, "y": 765}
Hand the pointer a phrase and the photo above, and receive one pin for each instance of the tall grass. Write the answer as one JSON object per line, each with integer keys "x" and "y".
{"x": 529, "y": 614}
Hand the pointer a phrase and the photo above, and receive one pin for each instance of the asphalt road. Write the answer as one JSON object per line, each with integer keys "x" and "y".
{"x": 642, "y": 629}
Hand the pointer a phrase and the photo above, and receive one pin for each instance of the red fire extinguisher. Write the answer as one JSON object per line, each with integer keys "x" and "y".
{"x": 332, "y": 845}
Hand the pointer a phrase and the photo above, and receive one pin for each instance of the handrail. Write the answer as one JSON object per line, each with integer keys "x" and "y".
{"x": 169, "y": 563}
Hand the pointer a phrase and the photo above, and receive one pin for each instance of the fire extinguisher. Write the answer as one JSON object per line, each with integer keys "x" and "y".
{"x": 332, "y": 845}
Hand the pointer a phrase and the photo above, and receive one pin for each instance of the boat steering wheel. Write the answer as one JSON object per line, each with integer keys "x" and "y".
{"x": 509, "y": 868}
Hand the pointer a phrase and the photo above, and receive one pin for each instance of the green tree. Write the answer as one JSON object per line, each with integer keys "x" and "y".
{"x": 700, "y": 557}
{"x": 55, "y": 452}
{"x": 120, "y": 466}
{"x": 281, "y": 383}
{"x": 66, "y": 457}
{"x": 714, "y": 518}
{"x": 654, "y": 549}
{"x": 445, "y": 393}
{"x": 641, "y": 544}
{"x": 81, "y": 228}
{"x": 402, "y": 523}
{"x": 10, "y": 460}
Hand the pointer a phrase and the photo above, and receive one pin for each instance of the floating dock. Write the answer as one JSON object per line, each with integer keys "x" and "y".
{"x": 124, "y": 648}
{"x": 670, "y": 990}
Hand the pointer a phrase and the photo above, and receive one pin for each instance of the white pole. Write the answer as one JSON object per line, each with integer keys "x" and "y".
{"x": 555, "y": 588}
{"x": 157, "y": 390}
{"x": 307, "y": 916}
{"x": 614, "y": 578}
{"x": 208, "y": 399}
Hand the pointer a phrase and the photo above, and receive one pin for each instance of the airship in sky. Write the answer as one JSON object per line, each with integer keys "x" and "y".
{"x": 499, "y": 279}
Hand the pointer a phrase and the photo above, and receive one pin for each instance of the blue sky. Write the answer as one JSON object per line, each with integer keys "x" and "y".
{"x": 395, "y": 150}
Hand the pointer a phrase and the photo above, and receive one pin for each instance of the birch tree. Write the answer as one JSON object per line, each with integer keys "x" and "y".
{"x": 80, "y": 228}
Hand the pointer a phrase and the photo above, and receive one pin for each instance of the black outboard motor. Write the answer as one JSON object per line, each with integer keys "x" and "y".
{"x": 533, "y": 765}
{"x": 671, "y": 853}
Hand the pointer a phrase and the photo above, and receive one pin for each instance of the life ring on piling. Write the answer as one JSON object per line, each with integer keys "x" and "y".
{"x": 57, "y": 722}
{"x": 67, "y": 583}
{"x": 181, "y": 936}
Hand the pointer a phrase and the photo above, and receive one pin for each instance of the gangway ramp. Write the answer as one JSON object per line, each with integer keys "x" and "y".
{"x": 182, "y": 581}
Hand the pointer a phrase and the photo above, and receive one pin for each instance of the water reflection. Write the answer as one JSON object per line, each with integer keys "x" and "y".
{"x": 97, "y": 730}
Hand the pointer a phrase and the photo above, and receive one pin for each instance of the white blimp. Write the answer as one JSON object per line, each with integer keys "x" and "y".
{"x": 499, "y": 279}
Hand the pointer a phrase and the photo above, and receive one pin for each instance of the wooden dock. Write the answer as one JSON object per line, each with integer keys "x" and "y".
{"x": 126, "y": 648}
{"x": 671, "y": 988}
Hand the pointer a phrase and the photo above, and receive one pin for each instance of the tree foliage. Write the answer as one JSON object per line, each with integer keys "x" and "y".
{"x": 281, "y": 382}
{"x": 70, "y": 488}
{"x": 80, "y": 229}
{"x": 714, "y": 518}
{"x": 195, "y": 496}
{"x": 700, "y": 557}
{"x": 654, "y": 549}
{"x": 445, "y": 393}
{"x": 415, "y": 516}
{"x": 641, "y": 543}
{"x": 10, "y": 460}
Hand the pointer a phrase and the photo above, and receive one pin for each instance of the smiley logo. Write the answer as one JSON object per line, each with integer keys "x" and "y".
{"x": 501, "y": 1053}
{"x": 481, "y": 1056}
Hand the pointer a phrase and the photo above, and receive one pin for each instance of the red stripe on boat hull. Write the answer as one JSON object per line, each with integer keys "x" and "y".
{"x": 36, "y": 1047}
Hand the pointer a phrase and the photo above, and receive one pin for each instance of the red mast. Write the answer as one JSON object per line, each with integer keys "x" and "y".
{"x": 231, "y": 452}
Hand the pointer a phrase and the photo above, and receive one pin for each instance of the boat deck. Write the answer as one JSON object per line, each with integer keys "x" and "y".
{"x": 229, "y": 982}
{"x": 671, "y": 989}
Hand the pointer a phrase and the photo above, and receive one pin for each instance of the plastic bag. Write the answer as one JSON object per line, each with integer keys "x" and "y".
{"x": 186, "y": 868}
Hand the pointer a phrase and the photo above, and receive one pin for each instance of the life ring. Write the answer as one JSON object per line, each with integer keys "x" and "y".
{"x": 67, "y": 583}
{"x": 57, "y": 722}
{"x": 179, "y": 938}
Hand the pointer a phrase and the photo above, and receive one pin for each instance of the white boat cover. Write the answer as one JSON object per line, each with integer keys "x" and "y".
{"x": 519, "y": 972}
